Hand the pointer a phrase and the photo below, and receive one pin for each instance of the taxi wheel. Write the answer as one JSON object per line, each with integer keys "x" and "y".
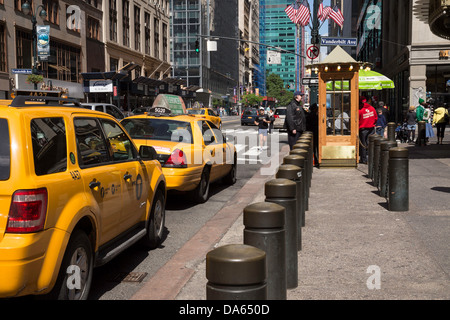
{"x": 201, "y": 193}
{"x": 156, "y": 221}
{"x": 75, "y": 275}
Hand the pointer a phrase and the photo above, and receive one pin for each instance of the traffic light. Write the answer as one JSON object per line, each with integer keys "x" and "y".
{"x": 197, "y": 46}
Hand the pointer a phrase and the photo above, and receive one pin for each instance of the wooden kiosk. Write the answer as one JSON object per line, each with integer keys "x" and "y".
{"x": 338, "y": 107}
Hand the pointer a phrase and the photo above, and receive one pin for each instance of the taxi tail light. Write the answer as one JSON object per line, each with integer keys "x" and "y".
{"x": 28, "y": 211}
{"x": 276, "y": 116}
{"x": 176, "y": 160}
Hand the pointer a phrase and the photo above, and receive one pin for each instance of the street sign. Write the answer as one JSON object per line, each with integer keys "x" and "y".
{"x": 21, "y": 71}
{"x": 312, "y": 52}
{"x": 273, "y": 57}
{"x": 312, "y": 82}
{"x": 330, "y": 41}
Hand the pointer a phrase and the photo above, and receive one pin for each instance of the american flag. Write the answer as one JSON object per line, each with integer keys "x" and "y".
{"x": 337, "y": 16}
{"x": 323, "y": 13}
{"x": 302, "y": 16}
{"x": 291, "y": 11}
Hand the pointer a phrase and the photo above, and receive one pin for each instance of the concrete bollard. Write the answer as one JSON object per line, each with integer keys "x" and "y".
{"x": 294, "y": 173}
{"x": 309, "y": 142}
{"x": 264, "y": 229}
{"x": 300, "y": 161}
{"x": 236, "y": 272}
{"x": 398, "y": 179}
{"x": 283, "y": 192}
{"x": 421, "y": 133}
{"x": 376, "y": 159}
{"x": 391, "y": 126}
{"x": 385, "y": 146}
{"x": 370, "y": 152}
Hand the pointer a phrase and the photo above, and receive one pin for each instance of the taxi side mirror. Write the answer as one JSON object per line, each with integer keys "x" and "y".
{"x": 147, "y": 153}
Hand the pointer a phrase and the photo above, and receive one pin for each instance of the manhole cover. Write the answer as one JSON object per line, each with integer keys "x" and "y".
{"x": 129, "y": 277}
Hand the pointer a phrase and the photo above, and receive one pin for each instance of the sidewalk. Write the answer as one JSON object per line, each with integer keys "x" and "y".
{"x": 349, "y": 232}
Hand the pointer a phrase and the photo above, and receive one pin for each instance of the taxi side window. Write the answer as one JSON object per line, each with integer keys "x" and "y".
{"x": 92, "y": 147}
{"x": 48, "y": 137}
{"x": 217, "y": 132}
{"x": 5, "y": 150}
{"x": 207, "y": 133}
{"x": 121, "y": 145}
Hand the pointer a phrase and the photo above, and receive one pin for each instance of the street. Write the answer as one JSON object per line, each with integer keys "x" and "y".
{"x": 123, "y": 277}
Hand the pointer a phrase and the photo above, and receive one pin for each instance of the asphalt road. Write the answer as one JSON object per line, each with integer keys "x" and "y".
{"x": 124, "y": 276}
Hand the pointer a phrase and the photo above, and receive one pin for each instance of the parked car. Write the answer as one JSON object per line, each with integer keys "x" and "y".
{"x": 248, "y": 117}
{"x": 280, "y": 116}
{"x": 105, "y": 107}
{"x": 74, "y": 193}
{"x": 193, "y": 152}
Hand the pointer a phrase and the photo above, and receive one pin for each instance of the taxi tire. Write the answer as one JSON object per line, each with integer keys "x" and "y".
{"x": 201, "y": 192}
{"x": 155, "y": 228}
{"x": 79, "y": 247}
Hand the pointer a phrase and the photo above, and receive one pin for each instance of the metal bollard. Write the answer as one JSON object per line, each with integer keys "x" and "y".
{"x": 294, "y": 173}
{"x": 300, "y": 161}
{"x": 370, "y": 153}
{"x": 283, "y": 192}
{"x": 398, "y": 179}
{"x": 384, "y": 164}
{"x": 421, "y": 133}
{"x": 264, "y": 229}
{"x": 309, "y": 142}
{"x": 391, "y": 131}
{"x": 236, "y": 272}
{"x": 376, "y": 159}
{"x": 303, "y": 151}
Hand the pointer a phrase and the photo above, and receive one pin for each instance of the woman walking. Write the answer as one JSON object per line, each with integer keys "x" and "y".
{"x": 440, "y": 119}
{"x": 411, "y": 123}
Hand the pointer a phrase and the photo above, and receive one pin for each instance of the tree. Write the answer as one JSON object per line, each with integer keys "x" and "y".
{"x": 276, "y": 89}
{"x": 251, "y": 99}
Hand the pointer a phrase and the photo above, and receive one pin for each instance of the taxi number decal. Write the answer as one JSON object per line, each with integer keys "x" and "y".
{"x": 75, "y": 175}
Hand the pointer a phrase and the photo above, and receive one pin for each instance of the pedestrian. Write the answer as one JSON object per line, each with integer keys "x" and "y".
{"x": 381, "y": 123}
{"x": 420, "y": 110}
{"x": 367, "y": 120}
{"x": 429, "y": 133}
{"x": 440, "y": 119}
{"x": 385, "y": 109}
{"x": 262, "y": 121}
{"x": 312, "y": 125}
{"x": 411, "y": 118}
{"x": 295, "y": 119}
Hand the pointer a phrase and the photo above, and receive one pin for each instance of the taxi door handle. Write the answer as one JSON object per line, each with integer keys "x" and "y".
{"x": 94, "y": 184}
{"x": 127, "y": 176}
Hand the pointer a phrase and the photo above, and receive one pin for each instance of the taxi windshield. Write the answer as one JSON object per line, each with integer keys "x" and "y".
{"x": 159, "y": 129}
{"x": 196, "y": 111}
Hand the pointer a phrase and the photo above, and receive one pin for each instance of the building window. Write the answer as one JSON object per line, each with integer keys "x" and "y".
{"x": 2, "y": 48}
{"x": 23, "y": 49}
{"x": 137, "y": 28}
{"x": 67, "y": 65}
{"x": 147, "y": 33}
{"x": 126, "y": 23}
{"x": 156, "y": 34}
{"x": 165, "y": 41}
{"x": 52, "y": 8}
{"x": 113, "y": 64}
{"x": 113, "y": 20}
{"x": 93, "y": 31}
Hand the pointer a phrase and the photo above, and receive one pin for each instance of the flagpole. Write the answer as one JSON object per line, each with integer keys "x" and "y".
{"x": 315, "y": 40}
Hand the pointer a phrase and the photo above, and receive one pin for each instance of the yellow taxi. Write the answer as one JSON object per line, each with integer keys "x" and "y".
{"x": 75, "y": 191}
{"x": 193, "y": 152}
{"x": 207, "y": 113}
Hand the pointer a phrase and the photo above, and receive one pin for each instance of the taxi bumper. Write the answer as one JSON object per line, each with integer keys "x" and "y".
{"x": 182, "y": 179}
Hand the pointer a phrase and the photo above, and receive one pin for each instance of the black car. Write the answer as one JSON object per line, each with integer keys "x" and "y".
{"x": 248, "y": 117}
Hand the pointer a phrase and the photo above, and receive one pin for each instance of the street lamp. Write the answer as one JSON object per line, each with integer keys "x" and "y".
{"x": 26, "y": 9}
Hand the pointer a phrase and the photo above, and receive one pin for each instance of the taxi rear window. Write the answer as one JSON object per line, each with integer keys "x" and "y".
{"x": 5, "y": 150}
{"x": 159, "y": 129}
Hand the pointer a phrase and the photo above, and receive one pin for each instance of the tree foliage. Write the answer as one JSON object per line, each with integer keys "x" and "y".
{"x": 251, "y": 100}
{"x": 276, "y": 89}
